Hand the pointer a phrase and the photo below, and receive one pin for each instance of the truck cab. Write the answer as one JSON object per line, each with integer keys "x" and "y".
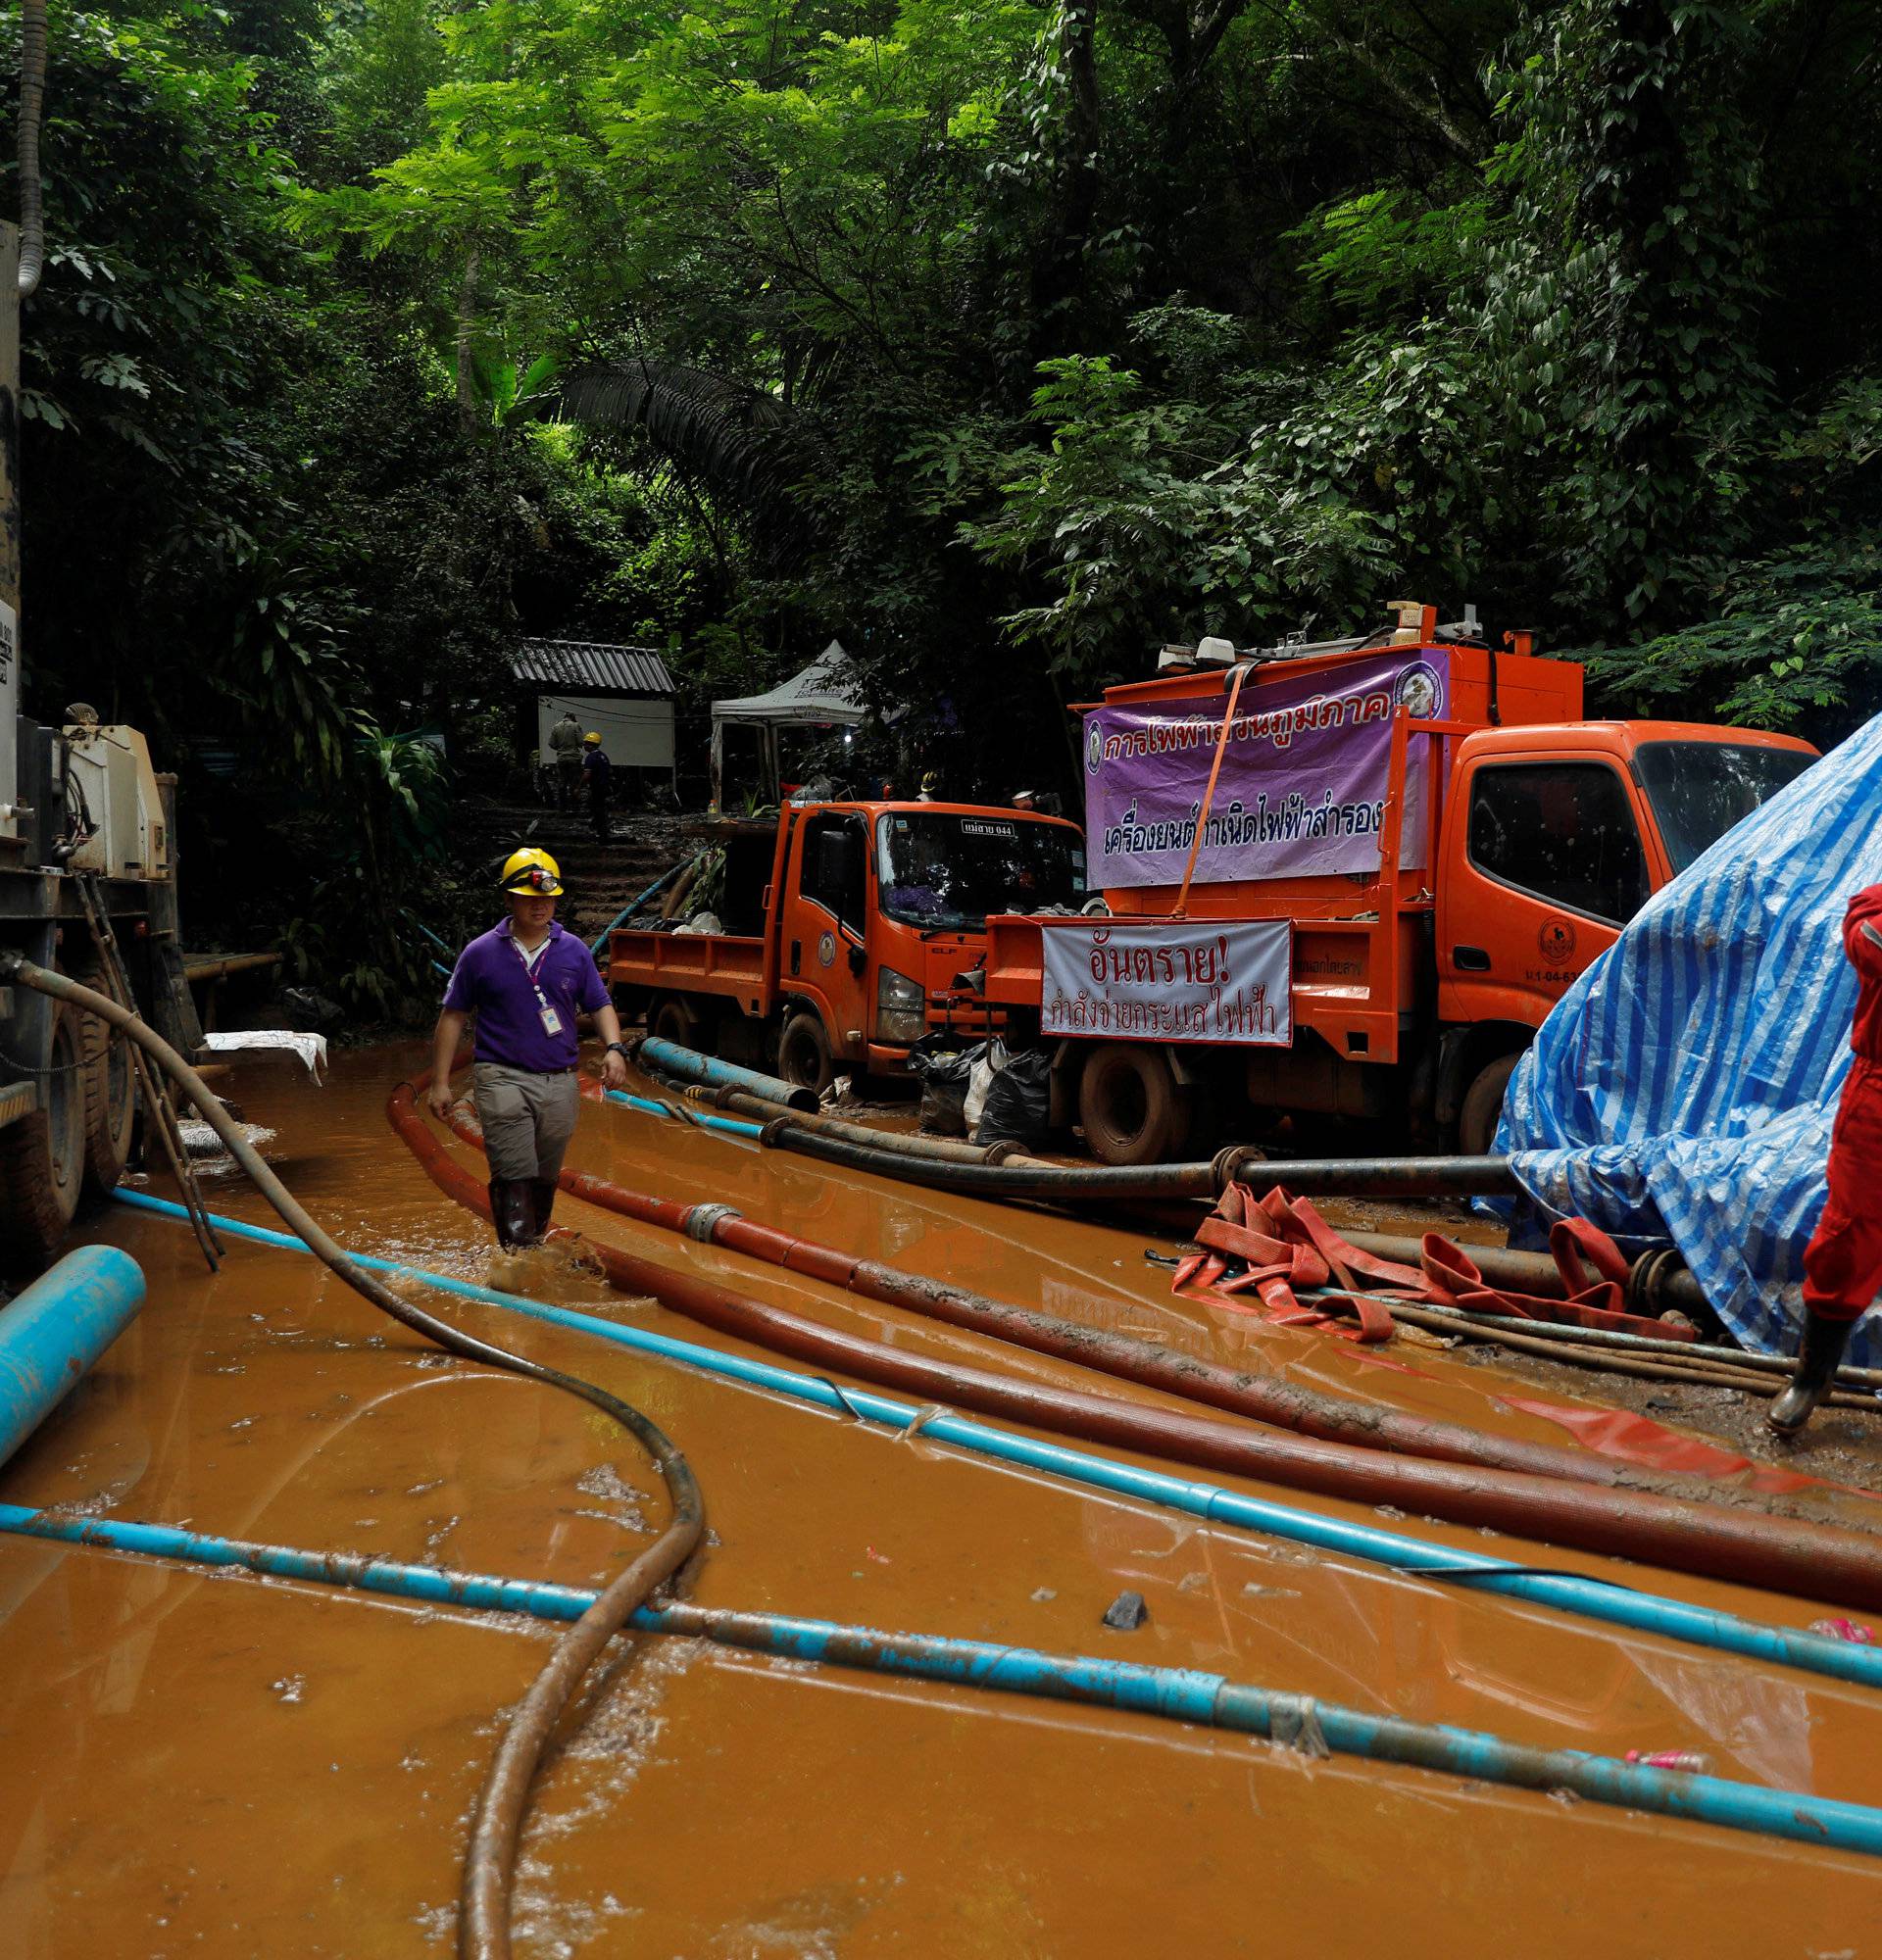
{"x": 846, "y": 953}
{"x": 1554, "y": 837}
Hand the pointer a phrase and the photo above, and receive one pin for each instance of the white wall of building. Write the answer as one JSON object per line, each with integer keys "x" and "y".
{"x": 637, "y": 734}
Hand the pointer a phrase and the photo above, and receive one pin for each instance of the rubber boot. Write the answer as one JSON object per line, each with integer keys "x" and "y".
{"x": 543, "y": 1189}
{"x": 513, "y": 1211}
{"x": 1817, "y": 1363}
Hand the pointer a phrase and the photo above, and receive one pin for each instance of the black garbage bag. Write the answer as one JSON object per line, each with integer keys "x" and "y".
{"x": 1019, "y": 1107}
{"x": 943, "y": 1063}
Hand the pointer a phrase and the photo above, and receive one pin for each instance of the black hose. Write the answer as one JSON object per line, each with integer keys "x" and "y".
{"x": 33, "y": 103}
{"x": 1032, "y": 1177}
{"x": 1315, "y": 1177}
{"x": 484, "y": 1928}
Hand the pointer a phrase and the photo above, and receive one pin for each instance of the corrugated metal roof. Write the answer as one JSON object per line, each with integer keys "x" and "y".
{"x": 587, "y": 667}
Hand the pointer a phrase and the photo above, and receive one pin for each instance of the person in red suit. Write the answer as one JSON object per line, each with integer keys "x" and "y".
{"x": 1843, "y": 1262}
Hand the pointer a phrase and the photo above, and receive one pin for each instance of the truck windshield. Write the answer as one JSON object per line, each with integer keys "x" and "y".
{"x": 1700, "y": 789}
{"x": 950, "y": 871}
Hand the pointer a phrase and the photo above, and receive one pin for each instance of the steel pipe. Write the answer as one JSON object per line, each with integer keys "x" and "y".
{"x": 1068, "y": 1184}
{"x": 1027, "y": 1177}
{"x": 1650, "y": 1288}
{"x": 1564, "y": 1333}
{"x": 1520, "y": 1337}
{"x": 1055, "y": 1183}
{"x": 1370, "y": 1177}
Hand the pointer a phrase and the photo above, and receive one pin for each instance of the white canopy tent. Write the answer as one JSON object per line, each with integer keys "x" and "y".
{"x": 826, "y": 693}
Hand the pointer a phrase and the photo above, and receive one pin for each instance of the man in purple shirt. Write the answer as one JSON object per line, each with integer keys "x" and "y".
{"x": 525, "y": 981}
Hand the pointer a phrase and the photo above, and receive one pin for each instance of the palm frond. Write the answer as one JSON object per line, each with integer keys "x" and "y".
{"x": 729, "y": 438}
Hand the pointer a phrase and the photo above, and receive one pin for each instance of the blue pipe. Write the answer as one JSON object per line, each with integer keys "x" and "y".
{"x": 416, "y": 920}
{"x": 628, "y": 911}
{"x": 1589, "y": 1598}
{"x": 1175, "y": 1695}
{"x": 691, "y": 1066}
{"x": 57, "y": 1329}
{"x": 728, "y": 1126}
{"x": 432, "y": 1585}
{"x": 437, "y": 966}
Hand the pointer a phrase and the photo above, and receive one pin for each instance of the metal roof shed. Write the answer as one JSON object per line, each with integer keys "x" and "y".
{"x": 624, "y": 693}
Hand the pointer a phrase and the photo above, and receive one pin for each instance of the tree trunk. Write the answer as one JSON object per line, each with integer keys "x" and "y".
{"x": 468, "y": 405}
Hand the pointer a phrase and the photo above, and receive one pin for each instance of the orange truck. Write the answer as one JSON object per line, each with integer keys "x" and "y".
{"x": 845, "y": 926}
{"x": 1350, "y": 881}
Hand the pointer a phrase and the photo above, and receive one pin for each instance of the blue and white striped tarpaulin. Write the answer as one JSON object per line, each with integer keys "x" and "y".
{"x": 1685, "y": 1085}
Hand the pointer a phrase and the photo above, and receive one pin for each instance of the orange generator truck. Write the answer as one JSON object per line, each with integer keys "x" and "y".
{"x": 846, "y": 927}
{"x": 1351, "y": 880}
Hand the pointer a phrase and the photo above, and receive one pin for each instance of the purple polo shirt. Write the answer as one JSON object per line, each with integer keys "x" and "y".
{"x": 489, "y": 981}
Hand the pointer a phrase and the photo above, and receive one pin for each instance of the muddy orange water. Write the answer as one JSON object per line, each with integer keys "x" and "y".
{"x": 223, "y": 1765}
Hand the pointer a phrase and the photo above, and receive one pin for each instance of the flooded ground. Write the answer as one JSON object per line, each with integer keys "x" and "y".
{"x": 225, "y": 1766}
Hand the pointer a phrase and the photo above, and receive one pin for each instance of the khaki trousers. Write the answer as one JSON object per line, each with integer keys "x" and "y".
{"x": 527, "y": 1118}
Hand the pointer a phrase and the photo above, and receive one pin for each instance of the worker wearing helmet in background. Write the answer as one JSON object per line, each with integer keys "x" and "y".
{"x": 526, "y": 981}
{"x": 930, "y": 786}
{"x": 565, "y": 745}
{"x": 599, "y": 772}
{"x": 1843, "y": 1262}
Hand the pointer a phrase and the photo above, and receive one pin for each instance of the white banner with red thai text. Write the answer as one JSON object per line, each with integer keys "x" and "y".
{"x": 1169, "y": 980}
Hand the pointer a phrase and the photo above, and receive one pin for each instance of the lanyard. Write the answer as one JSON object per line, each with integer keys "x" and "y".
{"x": 530, "y": 962}
{"x": 551, "y": 1020}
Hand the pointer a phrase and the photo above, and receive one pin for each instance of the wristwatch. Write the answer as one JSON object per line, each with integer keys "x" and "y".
{"x": 621, "y": 1049}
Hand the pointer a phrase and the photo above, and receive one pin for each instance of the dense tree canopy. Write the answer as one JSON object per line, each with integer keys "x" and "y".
{"x": 1003, "y": 338}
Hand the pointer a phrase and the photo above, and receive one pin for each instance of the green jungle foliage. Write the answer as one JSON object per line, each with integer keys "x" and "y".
{"x": 1003, "y": 339}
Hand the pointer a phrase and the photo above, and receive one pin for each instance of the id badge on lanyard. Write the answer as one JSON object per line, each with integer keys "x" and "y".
{"x": 545, "y": 1009}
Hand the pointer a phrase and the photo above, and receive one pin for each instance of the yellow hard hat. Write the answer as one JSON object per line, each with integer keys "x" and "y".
{"x": 531, "y": 872}
{"x": 591, "y": 736}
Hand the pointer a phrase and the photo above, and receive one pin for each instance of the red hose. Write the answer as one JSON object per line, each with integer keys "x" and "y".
{"x": 1814, "y": 1561}
{"x": 1286, "y": 1405}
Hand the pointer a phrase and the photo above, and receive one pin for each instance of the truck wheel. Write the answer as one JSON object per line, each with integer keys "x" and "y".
{"x": 110, "y": 1083}
{"x": 804, "y": 1054}
{"x": 670, "y": 1018}
{"x": 1133, "y": 1110}
{"x": 42, "y": 1157}
{"x": 1482, "y": 1105}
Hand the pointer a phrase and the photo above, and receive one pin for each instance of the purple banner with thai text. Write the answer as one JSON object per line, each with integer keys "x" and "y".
{"x": 1302, "y": 790}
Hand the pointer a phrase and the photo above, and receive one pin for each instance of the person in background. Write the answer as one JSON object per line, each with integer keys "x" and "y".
{"x": 1025, "y": 799}
{"x": 565, "y": 745}
{"x": 1843, "y": 1262}
{"x": 525, "y": 981}
{"x": 930, "y": 786}
{"x": 599, "y": 772}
